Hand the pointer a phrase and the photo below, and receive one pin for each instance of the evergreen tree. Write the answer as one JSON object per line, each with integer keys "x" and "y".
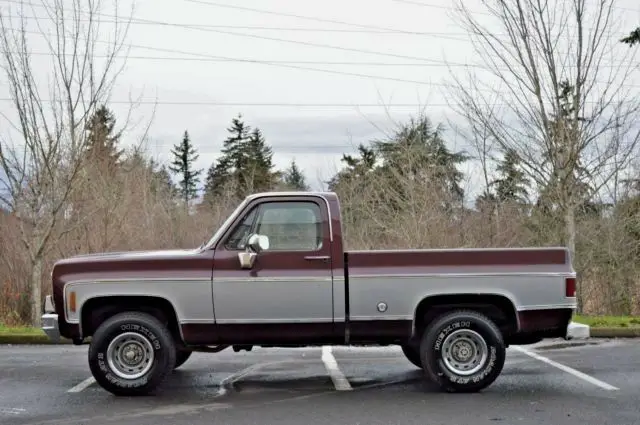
{"x": 184, "y": 157}
{"x": 632, "y": 38}
{"x": 294, "y": 178}
{"x": 225, "y": 170}
{"x": 511, "y": 185}
{"x": 102, "y": 144}
{"x": 418, "y": 152}
{"x": 357, "y": 167}
{"x": 258, "y": 174}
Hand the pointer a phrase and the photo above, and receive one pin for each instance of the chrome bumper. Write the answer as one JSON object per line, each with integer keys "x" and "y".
{"x": 50, "y": 320}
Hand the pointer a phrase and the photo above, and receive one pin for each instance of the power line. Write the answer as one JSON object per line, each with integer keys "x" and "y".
{"x": 205, "y": 29}
{"x": 421, "y": 4}
{"x": 288, "y": 65}
{"x": 332, "y": 21}
{"x": 292, "y": 15}
{"x": 302, "y": 62}
{"x": 453, "y": 36}
{"x": 282, "y": 65}
{"x": 282, "y": 40}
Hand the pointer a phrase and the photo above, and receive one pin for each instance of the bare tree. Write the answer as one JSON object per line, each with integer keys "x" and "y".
{"x": 51, "y": 115}
{"x": 559, "y": 94}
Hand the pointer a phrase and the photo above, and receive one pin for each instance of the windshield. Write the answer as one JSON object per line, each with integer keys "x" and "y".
{"x": 218, "y": 234}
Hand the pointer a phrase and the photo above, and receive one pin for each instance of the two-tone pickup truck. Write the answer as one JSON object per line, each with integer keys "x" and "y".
{"x": 276, "y": 274}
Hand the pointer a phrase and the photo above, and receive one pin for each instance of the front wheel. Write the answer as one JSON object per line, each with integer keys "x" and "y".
{"x": 462, "y": 351}
{"x": 131, "y": 354}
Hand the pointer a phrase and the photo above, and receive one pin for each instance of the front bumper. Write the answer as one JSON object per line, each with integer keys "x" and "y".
{"x": 50, "y": 320}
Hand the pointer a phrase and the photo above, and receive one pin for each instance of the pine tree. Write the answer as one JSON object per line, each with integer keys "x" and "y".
{"x": 258, "y": 174}
{"x": 418, "y": 152}
{"x": 511, "y": 185}
{"x": 102, "y": 144}
{"x": 294, "y": 178}
{"x": 225, "y": 170}
{"x": 184, "y": 157}
{"x": 632, "y": 38}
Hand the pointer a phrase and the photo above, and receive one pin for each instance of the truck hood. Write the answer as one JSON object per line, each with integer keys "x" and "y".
{"x": 180, "y": 263}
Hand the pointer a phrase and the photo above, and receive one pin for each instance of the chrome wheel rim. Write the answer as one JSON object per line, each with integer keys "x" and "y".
{"x": 130, "y": 355}
{"x": 464, "y": 352}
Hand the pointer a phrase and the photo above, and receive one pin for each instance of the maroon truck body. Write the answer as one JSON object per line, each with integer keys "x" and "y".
{"x": 302, "y": 288}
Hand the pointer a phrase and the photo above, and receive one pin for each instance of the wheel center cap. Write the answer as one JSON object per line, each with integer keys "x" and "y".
{"x": 463, "y": 352}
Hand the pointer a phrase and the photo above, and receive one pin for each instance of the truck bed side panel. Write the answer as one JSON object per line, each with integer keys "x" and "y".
{"x": 533, "y": 279}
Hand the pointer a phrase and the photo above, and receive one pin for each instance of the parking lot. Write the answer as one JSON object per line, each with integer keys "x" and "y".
{"x": 582, "y": 382}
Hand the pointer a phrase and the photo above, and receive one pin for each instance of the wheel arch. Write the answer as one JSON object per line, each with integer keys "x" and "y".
{"x": 499, "y": 307}
{"x": 95, "y": 310}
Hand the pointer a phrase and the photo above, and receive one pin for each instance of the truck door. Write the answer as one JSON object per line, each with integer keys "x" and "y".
{"x": 288, "y": 293}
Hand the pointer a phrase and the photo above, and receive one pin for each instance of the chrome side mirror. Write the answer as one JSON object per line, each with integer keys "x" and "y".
{"x": 258, "y": 243}
{"x": 255, "y": 245}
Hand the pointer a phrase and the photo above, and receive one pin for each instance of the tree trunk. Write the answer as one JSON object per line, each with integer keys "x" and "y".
{"x": 36, "y": 291}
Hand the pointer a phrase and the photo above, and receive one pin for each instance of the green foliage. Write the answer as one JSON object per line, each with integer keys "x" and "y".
{"x": 245, "y": 164}
{"x": 510, "y": 185}
{"x": 418, "y": 152}
{"x": 101, "y": 148}
{"x": 294, "y": 178}
{"x": 258, "y": 174}
{"x": 357, "y": 168}
{"x": 633, "y": 37}
{"x": 184, "y": 156}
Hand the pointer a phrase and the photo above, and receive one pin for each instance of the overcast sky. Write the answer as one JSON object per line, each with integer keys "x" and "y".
{"x": 409, "y": 59}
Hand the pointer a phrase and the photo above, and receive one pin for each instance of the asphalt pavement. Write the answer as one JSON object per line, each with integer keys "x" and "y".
{"x": 557, "y": 383}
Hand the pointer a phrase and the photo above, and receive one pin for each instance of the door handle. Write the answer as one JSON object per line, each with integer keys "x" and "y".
{"x": 324, "y": 258}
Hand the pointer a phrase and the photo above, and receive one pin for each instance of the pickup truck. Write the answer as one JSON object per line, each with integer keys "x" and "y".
{"x": 277, "y": 274}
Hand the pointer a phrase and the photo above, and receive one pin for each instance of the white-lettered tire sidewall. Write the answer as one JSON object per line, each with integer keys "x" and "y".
{"x": 148, "y": 327}
{"x": 431, "y": 351}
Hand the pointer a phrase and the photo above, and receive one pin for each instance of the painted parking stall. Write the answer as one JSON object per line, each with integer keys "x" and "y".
{"x": 273, "y": 383}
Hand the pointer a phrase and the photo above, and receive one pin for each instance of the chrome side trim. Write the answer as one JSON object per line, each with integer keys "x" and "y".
{"x": 268, "y": 321}
{"x": 138, "y": 279}
{"x": 274, "y": 279}
{"x": 446, "y": 275}
{"x": 381, "y": 317}
{"x": 570, "y": 305}
{"x": 274, "y": 321}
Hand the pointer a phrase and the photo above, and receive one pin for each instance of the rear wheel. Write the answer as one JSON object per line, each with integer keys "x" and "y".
{"x": 131, "y": 354}
{"x": 412, "y": 354}
{"x": 462, "y": 351}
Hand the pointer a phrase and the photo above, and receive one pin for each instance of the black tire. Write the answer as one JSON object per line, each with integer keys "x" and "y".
{"x": 146, "y": 330}
{"x": 412, "y": 354}
{"x": 181, "y": 357}
{"x": 475, "y": 325}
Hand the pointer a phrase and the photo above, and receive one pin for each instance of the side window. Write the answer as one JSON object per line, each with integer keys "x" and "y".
{"x": 291, "y": 226}
{"x": 238, "y": 239}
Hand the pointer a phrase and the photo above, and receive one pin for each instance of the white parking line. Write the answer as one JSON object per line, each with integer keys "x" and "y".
{"x": 82, "y": 385}
{"x": 339, "y": 380}
{"x": 567, "y": 369}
